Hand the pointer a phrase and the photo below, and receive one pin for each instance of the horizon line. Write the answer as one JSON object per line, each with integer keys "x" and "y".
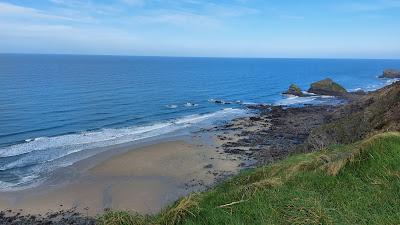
{"x": 216, "y": 57}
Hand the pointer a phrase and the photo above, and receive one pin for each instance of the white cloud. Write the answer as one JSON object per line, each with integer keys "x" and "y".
{"x": 180, "y": 19}
{"x": 29, "y": 15}
{"x": 89, "y": 7}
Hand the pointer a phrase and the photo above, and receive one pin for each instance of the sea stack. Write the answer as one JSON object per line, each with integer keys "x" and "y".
{"x": 294, "y": 90}
{"x": 390, "y": 73}
{"x": 327, "y": 87}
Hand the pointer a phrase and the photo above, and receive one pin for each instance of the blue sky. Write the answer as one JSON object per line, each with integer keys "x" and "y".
{"x": 236, "y": 28}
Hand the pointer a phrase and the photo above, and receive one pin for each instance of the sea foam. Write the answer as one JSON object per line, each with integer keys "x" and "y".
{"x": 44, "y": 154}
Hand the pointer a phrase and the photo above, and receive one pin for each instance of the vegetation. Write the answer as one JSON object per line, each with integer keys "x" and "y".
{"x": 357, "y": 183}
{"x": 294, "y": 90}
{"x": 375, "y": 113}
{"x": 327, "y": 87}
{"x": 123, "y": 218}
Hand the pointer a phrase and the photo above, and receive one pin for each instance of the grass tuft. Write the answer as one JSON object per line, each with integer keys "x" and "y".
{"x": 122, "y": 218}
{"x": 186, "y": 207}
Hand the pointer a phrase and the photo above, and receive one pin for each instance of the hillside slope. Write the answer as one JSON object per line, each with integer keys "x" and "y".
{"x": 376, "y": 112}
{"x": 349, "y": 184}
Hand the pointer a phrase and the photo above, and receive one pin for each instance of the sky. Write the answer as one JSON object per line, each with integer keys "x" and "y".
{"x": 235, "y": 28}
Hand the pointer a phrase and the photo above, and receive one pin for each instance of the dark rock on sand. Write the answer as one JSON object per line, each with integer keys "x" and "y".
{"x": 209, "y": 166}
{"x": 294, "y": 90}
{"x": 57, "y": 218}
{"x": 390, "y": 73}
{"x": 327, "y": 87}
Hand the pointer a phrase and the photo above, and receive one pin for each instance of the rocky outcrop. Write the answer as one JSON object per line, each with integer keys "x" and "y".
{"x": 327, "y": 87}
{"x": 390, "y": 73}
{"x": 294, "y": 90}
{"x": 279, "y": 131}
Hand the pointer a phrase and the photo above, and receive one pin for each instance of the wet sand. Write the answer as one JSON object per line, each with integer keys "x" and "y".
{"x": 144, "y": 180}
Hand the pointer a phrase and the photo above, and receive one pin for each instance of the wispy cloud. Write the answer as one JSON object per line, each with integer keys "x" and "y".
{"x": 179, "y": 19}
{"x": 229, "y": 11}
{"x": 84, "y": 22}
{"x": 204, "y": 15}
{"x": 28, "y": 15}
{"x": 173, "y": 27}
{"x": 369, "y": 6}
{"x": 86, "y": 6}
{"x": 12, "y": 11}
{"x": 181, "y": 13}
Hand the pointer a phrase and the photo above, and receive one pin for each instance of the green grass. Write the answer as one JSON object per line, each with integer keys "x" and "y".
{"x": 328, "y": 85}
{"x": 351, "y": 184}
{"x": 123, "y": 218}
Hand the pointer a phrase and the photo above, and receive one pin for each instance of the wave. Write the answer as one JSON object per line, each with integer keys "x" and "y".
{"x": 372, "y": 87}
{"x": 311, "y": 98}
{"x": 172, "y": 106}
{"x": 44, "y": 154}
{"x": 190, "y": 104}
{"x": 111, "y": 135}
{"x": 293, "y": 100}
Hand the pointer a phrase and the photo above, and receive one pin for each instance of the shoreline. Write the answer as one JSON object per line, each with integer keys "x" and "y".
{"x": 123, "y": 181}
{"x": 144, "y": 178}
{"x": 42, "y": 155}
{"x": 148, "y": 178}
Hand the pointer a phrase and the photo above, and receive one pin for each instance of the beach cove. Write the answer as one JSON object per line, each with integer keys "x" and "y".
{"x": 145, "y": 168}
{"x": 143, "y": 179}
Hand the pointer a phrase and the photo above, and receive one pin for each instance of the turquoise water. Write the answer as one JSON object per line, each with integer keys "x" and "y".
{"x": 55, "y": 106}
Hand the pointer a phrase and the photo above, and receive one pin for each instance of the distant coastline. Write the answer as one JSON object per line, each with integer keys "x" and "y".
{"x": 195, "y": 56}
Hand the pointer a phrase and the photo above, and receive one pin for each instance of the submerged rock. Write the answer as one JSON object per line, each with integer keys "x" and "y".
{"x": 294, "y": 90}
{"x": 390, "y": 73}
{"x": 327, "y": 87}
{"x": 220, "y": 102}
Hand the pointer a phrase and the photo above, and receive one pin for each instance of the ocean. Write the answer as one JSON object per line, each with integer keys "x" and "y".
{"x": 58, "y": 109}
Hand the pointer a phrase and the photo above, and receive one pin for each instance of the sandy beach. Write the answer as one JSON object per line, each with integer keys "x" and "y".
{"x": 143, "y": 179}
{"x": 147, "y": 178}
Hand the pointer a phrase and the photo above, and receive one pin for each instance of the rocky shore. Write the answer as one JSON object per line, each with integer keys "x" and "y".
{"x": 57, "y": 218}
{"x": 390, "y": 73}
{"x": 277, "y": 131}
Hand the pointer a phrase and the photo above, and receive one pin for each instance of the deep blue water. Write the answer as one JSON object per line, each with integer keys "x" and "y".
{"x": 53, "y": 106}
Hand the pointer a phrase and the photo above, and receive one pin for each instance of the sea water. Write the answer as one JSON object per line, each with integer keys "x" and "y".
{"x": 55, "y": 106}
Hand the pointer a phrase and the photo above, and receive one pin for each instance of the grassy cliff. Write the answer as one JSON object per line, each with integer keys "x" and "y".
{"x": 376, "y": 112}
{"x": 357, "y": 183}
